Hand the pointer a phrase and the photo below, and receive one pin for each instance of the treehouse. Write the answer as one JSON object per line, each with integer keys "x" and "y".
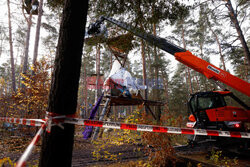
{"x": 124, "y": 90}
{"x": 120, "y": 88}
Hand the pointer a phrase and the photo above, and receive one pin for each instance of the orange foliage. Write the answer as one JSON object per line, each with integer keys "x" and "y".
{"x": 32, "y": 101}
{"x": 159, "y": 145}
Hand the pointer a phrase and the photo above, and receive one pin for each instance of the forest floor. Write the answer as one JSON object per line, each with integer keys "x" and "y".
{"x": 86, "y": 153}
{"x": 12, "y": 147}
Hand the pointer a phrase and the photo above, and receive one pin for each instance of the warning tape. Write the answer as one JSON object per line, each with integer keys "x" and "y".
{"x": 50, "y": 120}
{"x": 57, "y": 120}
{"x": 24, "y": 121}
{"x": 136, "y": 127}
{"x": 23, "y": 159}
{"x": 160, "y": 129}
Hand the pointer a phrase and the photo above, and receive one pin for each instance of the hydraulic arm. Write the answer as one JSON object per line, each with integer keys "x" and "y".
{"x": 183, "y": 56}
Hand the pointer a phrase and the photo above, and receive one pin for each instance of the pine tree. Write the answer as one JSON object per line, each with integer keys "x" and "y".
{"x": 38, "y": 26}
{"x": 57, "y": 145}
{"x": 179, "y": 92}
{"x": 27, "y": 42}
{"x": 234, "y": 19}
{"x": 11, "y": 50}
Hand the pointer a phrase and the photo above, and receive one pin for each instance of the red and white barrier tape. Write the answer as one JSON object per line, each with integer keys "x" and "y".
{"x": 24, "y": 121}
{"x": 22, "y": 160}
{"x": 52, "y": 120}
{"x": 160, "y": 129}
{"x": 136, "y": 127}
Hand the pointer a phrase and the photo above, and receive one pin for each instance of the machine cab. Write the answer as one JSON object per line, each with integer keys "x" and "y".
{"x": 211, "y": 108}
{"x": 204, "y": 101}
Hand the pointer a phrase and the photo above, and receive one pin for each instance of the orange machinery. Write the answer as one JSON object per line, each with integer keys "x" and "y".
{"x": 209, "y": 110}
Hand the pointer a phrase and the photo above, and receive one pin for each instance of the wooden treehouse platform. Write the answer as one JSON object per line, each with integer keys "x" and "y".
{"x": 126, "y": 101}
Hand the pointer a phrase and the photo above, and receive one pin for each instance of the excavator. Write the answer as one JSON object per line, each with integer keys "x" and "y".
{"x": 209, "y": 110}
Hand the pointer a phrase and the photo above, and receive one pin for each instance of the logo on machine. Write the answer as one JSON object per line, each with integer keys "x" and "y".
{"x": 213, "y": 69}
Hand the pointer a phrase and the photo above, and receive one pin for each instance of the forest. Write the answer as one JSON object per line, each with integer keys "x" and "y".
{"x": 50, "y": 62}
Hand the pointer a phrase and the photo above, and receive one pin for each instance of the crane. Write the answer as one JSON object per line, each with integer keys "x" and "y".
{"x": 209, "y": 109}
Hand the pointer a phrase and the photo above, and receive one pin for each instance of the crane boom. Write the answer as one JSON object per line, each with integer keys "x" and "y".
{"x": 183, "y": 56}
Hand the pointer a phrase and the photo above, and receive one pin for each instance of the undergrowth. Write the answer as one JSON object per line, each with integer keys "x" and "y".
{"x": 116, "y": 138}
{"x": 219, "y": 159}
{"x": 157, "y": 146}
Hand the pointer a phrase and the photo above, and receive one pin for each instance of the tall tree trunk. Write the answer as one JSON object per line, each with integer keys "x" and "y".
{"x": 197, "y": 83}
{"x": 139, "y": 12}
{"x": 218, "y": 43}
{"x": 144, "y": 69}
{"x": 165, "y": 82}
{"x": 85, "y": 88}
{"x": 57, "y": 146}
{"x": 190, "y": 81}
{"x": 245, "y": 75}
{"x": 203, "y": 78}
{"x": 220, "y": 51}
{"x": 157, "y": 92}
{"x": 201, "y": 49}
{"x": 156, "y": 59}
{"x": 234, "y": 19}
{"x": 13, "y": 77}
{"x": 149, "y": 61}
{"x": 219, "y": 48}
{"x": 27, "y": 41}
{"x": 188, "y": 69}
{"x": 144, "y": 74}
{"x": 38, "y": 26}
{"x": 97, "y": 92}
